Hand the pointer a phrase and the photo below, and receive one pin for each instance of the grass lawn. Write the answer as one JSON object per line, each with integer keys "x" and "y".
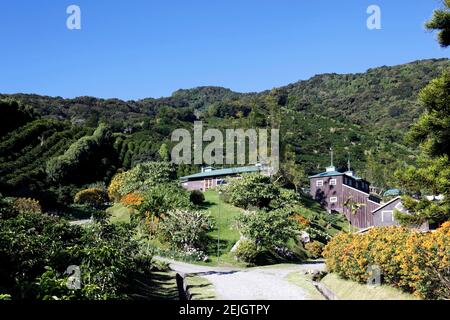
{"x": 350, "y": 290}
{"x": 162, "y": 286}
{"x": 200, "y": 288}
{"x": 304, "y": 281}
{"x": 223, "y": 215}
{"x": 119, "y": 213}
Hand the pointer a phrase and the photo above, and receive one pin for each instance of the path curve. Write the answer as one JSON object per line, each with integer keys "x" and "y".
{"x": 263, "y": 283}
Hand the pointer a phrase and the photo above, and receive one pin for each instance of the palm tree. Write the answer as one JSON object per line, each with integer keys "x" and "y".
{"x": 353, "y": 208}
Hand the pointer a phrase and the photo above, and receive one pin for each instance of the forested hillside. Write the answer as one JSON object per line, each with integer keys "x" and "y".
{"x": 50, "y": 147}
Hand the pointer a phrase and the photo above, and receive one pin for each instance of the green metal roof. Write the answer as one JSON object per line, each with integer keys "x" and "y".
{"x": 222, "y": 172}
{"x": 391, "y": 193}
{"x": 327, "y": 174}
{"x": 333, "y": 174}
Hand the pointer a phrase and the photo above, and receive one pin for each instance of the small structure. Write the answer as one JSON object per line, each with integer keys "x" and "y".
{"x": 384, "y": 216}
{"x": 211, "y": 177}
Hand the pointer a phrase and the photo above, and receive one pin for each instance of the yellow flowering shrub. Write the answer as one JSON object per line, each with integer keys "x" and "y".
{"x": 25, "y": 205}
{"x": 93, "y": 197}
{"x": 415, "y": 262}
{"x": 115, "y": 185}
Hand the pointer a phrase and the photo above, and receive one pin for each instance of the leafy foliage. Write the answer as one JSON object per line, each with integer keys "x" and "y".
{"x": 36, "y": 250}
{"x": 186, "y": 229}
{"x": 197, "y": 197}
{"x": 267, "y": 228}
{"x": 93, "y": 197}
{"x": 252, "y": 190}
{"x": 415, "y": 262}
{"x": 441, "y": 22}
{"x": 81, "y": 155}
{"x": 247, "y": 251}
{"x": 315, "y": 249}
{"x": 142, "y": 177}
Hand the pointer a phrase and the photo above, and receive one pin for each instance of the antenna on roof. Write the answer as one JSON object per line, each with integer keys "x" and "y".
{"x": 349, "y": 167}
{"x": 331, "y": 152}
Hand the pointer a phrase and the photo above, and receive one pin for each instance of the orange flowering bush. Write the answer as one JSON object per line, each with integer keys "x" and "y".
{"x": 132, "y": 199}
{"x": 415, "y": 262}
{"x": 302, "y": 221}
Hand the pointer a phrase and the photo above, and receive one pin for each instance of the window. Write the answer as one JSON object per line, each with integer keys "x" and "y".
{"x": 333, "y": 199}
{"x": 387, "y": 216}
{"x": 319, "y": 183}
{"x": 209, "y": 183}
{"x": 333, "y": 182}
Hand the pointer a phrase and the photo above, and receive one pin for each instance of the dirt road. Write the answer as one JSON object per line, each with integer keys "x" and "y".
{"x": 264, "y": 283}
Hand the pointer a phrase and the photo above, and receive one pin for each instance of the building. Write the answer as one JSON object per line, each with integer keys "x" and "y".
{"x": 211, "y": 177}
{"x": 332, "y": 189}
{"x": 384, "y": 215}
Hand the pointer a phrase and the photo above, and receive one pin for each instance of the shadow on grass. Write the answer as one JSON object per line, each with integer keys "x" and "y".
{"x": 270, "y": 257}
{"x": 160, "y": 286}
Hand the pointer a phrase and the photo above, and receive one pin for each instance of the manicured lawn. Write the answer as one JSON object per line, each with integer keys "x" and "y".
{"x": 161, "y": 286}
{"x": 223, "y": 215}
{"x": 200, "y": 288}
{"x": 304, "y": 281}
{"x": 350, "y": 290}
{"x": 119, "y": 213}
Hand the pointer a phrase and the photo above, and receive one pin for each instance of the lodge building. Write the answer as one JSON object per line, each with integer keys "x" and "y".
{"x": 332, "y": 189}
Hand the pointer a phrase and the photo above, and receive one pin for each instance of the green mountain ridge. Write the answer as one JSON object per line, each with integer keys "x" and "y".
{"x": 364, "y": 116}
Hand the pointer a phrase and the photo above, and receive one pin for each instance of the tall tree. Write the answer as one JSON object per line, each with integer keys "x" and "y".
{"x": 441, "y": 22}
{"x": 431, "y": 175}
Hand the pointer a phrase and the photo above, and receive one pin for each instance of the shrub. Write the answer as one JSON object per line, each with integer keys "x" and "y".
{"x": 267, "y": 228}
{"x": 132, "y": 199}
{"x": 95, "y": 198}
{"x": 26, "y": 205}
{"x": 161, "y": 199}
{"x": 7, "y": 209}
{"x": 186, "y": 230}
{"x": 252, "y": 190}
{"x": 314, "y": 249}
{"x": 36, "y": 250}
{"x": 115, "y": 187}
{"x": 141, "y": 178}
{"x": 197, "y": 197}
{"x": 416, "y": 262}
{"x": 247, "y": 251}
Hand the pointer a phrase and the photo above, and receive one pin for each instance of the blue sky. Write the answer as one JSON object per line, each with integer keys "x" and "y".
{"x": 149, "y": 48}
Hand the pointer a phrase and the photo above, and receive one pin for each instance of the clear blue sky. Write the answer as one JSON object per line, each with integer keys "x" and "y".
{"x": 149, "y": 48}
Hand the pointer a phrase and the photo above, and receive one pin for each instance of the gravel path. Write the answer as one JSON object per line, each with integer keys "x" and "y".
{"x": 264, "y": 283}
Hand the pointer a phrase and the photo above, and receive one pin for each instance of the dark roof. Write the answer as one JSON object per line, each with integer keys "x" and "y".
{"x": 222, "y": 172}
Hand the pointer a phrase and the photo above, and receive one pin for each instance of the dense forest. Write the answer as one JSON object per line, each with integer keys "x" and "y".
{"x": 51, "y": 147}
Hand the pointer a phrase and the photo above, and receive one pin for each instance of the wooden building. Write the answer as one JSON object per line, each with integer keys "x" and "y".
{"x": 332, "y": 189}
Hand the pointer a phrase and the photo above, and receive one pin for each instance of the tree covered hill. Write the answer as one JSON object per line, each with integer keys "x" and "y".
{"x": 365, "y": 115}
